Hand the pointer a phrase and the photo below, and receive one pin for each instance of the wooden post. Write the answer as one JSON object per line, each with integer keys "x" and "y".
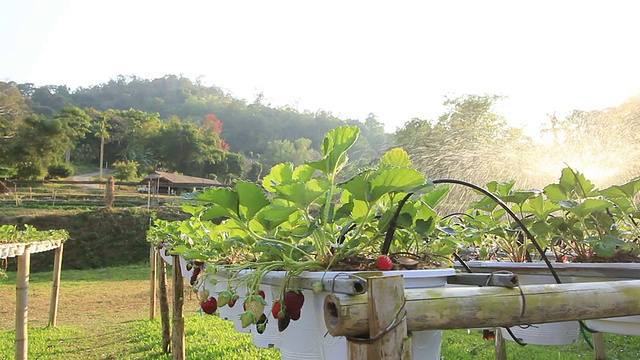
{"x": 177, "y": 338}
{"x": 111, "y": 189}
{"x": 55, "y": 289}
{"x": 22, "y": 307}
{"x": 500, "y": 350}
{"x": 471, "y": 307}
{"x": 153, "y": 258}
{"x": 387, "y": 326}
{"x": 164, "y": 308}
{"x": 598, "y": 344}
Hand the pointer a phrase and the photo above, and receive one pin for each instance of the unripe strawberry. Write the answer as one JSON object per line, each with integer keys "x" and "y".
{"x": 255, "y": 304}
{"x": 247, "y": 318}
{"x": 224, "y": 297}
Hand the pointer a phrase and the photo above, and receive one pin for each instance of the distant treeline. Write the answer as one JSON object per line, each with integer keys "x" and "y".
{"x": 170, "y": 123}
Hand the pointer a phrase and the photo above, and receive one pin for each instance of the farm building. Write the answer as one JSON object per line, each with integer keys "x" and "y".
{"x": 169, "y": 183}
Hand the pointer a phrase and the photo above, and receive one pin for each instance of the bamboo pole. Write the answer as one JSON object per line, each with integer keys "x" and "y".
{"x": 177, "y": 338}
{"x": 470, "y": 307}
{"x": 55, "y": 288}
{"x": 153, "y": 258}
{"x": 164, "y": 308}
{"x": 22, "y": 308}
{"x": 387, "y": 338}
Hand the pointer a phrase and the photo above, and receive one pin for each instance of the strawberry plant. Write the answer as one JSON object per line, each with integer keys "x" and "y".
{"x": 10, "y": 234}
{"x": 309, "y": 218}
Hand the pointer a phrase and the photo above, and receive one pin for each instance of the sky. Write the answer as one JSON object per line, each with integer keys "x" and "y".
{"x": 395, "y": 59}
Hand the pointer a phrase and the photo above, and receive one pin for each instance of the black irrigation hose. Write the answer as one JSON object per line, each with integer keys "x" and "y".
{"x": 512, "y": 214}
{"x": 522, "y": 226}
{"x": 392, "y": 227}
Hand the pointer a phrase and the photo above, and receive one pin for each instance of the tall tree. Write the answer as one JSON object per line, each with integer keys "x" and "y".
{"x": 75, "y": 124}
{"x": 469, "y": 141}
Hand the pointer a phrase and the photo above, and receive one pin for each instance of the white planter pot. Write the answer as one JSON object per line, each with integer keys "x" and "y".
{"x": 626, "y": 325}
{"x": 558, "y": 333}
{"x": 167, "y": 258}
{"x": 311, "y": 339}
{"x": 186, "y": 273}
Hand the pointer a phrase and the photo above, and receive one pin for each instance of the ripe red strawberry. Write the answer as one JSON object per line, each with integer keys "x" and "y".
{"x": 198, "y": 263}
{"x": 276, "y": 308}
{"x": 283, "y": 323}
{"x": 189, "y": 267}
{"x": 261, "y": 293}
{"x": 233, "y": 300}
{"x": 293, "y": 302}
{"x": 194, "y": 276}
{"x": 488, "y": 334}
{"x": 159, "y": 247}
{"x": 210, "y": 306}
{"x": 384, "y": 262}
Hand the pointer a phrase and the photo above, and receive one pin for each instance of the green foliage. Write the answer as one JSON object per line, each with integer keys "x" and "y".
{"x": 126, "y": 170}
{"x": 255, "y": 172}
{"x": 59, "y": 171}
{"x": 10, "y": 234}
{"x": 571, "y": 218}
{"x": 297, "y": 152}
{"x": 307, "y": 220}
{"x": 468, "y": 141}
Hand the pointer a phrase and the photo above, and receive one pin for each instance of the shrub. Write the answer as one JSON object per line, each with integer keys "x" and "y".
{"x": 59, "y": 171}
{"x": 126, "y": 170}
{"x": 30, "y": 172}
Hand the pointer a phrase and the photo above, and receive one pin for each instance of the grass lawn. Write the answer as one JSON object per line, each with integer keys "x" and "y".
{"x": 104, "y": 315}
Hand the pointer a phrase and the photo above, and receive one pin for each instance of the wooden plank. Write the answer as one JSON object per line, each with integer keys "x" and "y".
{"x": 500, "y": 349}
{"x": 22, "y": 308}
{"x": 164, "y": 307}
{"x": 387, "y": 325}
{"x": 55, "y": 288}
{"x": 177, "y": 337}
{"x": 598, "y": 344}
{"x": 471, "y": 307}
{"x": 153, "y": 259}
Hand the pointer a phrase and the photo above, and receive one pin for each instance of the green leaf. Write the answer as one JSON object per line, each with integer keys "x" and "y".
{"x": 555, "y": 192}
{"x": 334, "y": 149}
{"x": 539, "y": 207}
{"x": 520, "y": 196}
{"x": 434, "y": 197}
{"x": 303, "y": 172}
{"x": 273, "y": 215}
{"x": 423, "y": 227}
{"x": 396, "y": 157}
{"x": 251, "y": 198}
{"x": 303, "y": 194}
{"x": 225, "y": 202}
{"x": 629, "y": 189}
{"x": 280, "y": 174}
{"x": 589, "y": 206}
{"x": 395, "y": 180}
{"x": 359, "y": 186}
